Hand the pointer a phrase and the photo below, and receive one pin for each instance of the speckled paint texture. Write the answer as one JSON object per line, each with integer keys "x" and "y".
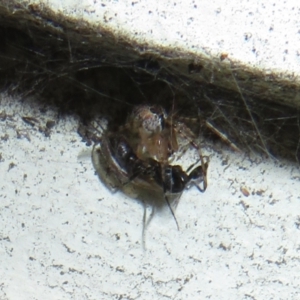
{"x": 63, "y": 235}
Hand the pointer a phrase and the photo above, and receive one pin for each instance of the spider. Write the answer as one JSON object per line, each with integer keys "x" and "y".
{"x": 149, "y": 133}
{"x": 154, "y": 134}
{"x": 118, "y": 166}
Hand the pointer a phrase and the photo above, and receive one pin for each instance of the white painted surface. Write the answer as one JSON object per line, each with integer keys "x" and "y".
{"x": 64, "y": 236}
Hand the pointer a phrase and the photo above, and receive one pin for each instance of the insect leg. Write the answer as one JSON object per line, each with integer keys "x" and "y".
{"x": 171, "y": 209}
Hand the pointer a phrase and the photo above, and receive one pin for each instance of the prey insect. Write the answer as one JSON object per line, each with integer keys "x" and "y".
{"x": 120, "y": 160}
{"x": 119, "y": 167}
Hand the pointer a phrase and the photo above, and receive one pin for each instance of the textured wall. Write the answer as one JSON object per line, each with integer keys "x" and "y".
{"x": 63, "y": 235}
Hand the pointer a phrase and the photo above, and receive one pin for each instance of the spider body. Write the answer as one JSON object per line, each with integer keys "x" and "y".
{"x": 151, "y": 133}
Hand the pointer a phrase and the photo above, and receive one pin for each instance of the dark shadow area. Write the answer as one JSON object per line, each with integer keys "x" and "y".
{"x": 77, "y": 78}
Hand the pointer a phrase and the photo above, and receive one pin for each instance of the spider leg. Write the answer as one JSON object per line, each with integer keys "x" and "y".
{"x": 189, "y": 137}
{"x": 222, "y": 136}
